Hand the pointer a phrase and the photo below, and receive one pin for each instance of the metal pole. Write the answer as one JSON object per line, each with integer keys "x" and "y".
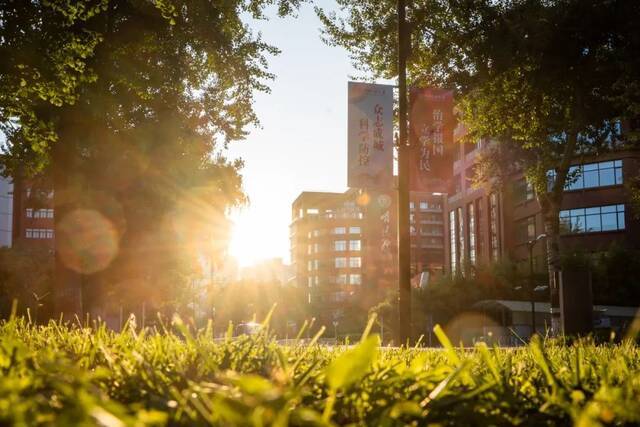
{"x": 404, "y": 256}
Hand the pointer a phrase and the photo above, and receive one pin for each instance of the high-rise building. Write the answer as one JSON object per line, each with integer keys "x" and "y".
{"x": 344, "y": 248}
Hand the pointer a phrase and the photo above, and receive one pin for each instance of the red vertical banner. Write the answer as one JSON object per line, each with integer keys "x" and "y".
{"x": 431, "y": 126}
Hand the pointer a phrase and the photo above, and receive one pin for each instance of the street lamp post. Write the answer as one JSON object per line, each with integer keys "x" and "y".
{"x": 530, "y": 245}
{"x": 404, "y": 260}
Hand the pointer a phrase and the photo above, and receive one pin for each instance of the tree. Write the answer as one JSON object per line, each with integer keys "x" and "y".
{"x": 128, "y": 107}
{"x": 549, "y": 81}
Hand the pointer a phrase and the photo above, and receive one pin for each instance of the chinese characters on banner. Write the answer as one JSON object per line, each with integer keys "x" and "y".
{"x": 431, "y": 124}
{"x": 370, "y": 136}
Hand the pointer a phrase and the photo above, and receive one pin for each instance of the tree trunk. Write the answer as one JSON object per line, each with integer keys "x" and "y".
{"x": 67, "y": 291}
{"x": 552, "y": 230}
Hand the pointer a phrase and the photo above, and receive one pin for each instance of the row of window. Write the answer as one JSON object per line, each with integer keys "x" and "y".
{"x": 426, "y": 206}
{"x": 39, "y": 213}
{"x": 591, "y": 175}
{"x": 352, "y": 262}
{"x": 593, "y": 219}
{"x": 340, "y": 279}
{"x": 343, "y": 230}
{"x": 39, "y": 233}
{"x": 341, "y": 245}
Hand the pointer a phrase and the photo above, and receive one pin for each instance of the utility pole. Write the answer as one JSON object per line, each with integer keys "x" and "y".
{"x": 404, "y": 248}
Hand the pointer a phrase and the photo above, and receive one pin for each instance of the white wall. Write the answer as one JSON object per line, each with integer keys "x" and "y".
{"x": 6, "y": 210}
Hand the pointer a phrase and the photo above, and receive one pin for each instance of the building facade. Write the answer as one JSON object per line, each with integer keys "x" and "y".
{"x": 344, "y": 248}
{"x": 484, "y": 225}
{"x": 33, "y": 214}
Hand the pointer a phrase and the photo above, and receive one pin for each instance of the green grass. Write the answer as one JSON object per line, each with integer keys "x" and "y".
{"x": 59, "y": 375}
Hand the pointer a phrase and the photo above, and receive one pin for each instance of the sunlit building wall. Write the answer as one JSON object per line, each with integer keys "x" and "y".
{"x": 6, "y": 211}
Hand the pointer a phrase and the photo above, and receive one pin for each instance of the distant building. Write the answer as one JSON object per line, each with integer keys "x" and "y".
{"x": 272, "y": 271}
{"x": 344, "y": 247}
{"x": 33, "y": 213}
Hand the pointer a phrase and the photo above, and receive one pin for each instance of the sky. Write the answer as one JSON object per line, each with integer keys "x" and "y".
{"x": 301, "y": 145}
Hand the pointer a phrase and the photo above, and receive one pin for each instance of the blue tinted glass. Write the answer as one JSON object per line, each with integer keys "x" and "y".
{"x": 590, "y": 167}
{"x": 617, "y": 163}
{"x": 564, "y": 214}
{"x": 575, "y": 212}
{"x": 620, "y": 208}
{"x": 590, "y": 179}
{"x": 606, "y": 209}
{"x": 620, "y": 220}
{"x": 591, "y": 211}
{"x": 593, "y": 223}
{"x": 565, "y": 225}
{"x": 619, "y": 176}
{"x": 607, "y": 177}
{"x": 609, "y": 222}
{"x": 604, "y": 165}
{"x": 577, "y": 224}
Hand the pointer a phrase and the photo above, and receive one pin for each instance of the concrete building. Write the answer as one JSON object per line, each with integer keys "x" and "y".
{"x": 344, "y": 247}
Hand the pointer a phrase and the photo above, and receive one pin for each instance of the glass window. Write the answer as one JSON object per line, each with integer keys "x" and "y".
{"x": 424, "y": 206}
{"x": 355, "y": 262}
{"x": 355, "y": 279}
{"x": 341, "y": 279}
{"x": 340, "y": 230}
{"x": 354, "y": 230}
{"x": 471, "y": 227}
{"x": 354, "y": 245}
{"x": 461, "y": 237}
{"x": 494, "y": 238}
{"x": 312, "y": 211}
{"x": 310, "y": 281}
{"x": 412, "y": 205}
{"x": 29, "y": 213}
{"x": 341, "y": 262}
{"x": 593, "y": 219}
{"x": 340, "y": 245}
{"x": 526, "y": 229}
{"x": 522, "y": 191}
{"x": 452, "y": 240}
{"x": 591, "y": 175}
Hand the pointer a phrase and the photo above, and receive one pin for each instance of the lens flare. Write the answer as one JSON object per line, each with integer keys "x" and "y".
{"x": 87, "y": 241}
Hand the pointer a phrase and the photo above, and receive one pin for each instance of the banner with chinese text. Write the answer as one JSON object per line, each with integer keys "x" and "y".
{"x": 431, "y": 126}
{"x": 370, "y": 136}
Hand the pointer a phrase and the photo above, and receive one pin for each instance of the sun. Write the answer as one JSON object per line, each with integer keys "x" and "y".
{"x": 249, "y": 243}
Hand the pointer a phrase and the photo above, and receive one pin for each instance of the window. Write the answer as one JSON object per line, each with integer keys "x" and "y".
{"x": 354, "y": 230}
{"x": 29, "y": 213}
{"x": 39, "y": 233}
{"x": 526, "y": 229}
{"x": 309, "y": 265}
{"x": 354, "y": 245}
{"x": 340, "y": 245}
{"x": 310, "y": 281}
{"x": 312, "y": 211}
{"x": 340, "y": 230}
{"x": 461, "y": 237}
{"x": 471, "y": 226}
{"x": 412, "y": 205}
{"x": 355, "y": 262}
{"x": 453, "y": 240}
{"x": 522, "y": 191}
{"x": 591, "y": 175}
{"x": 494, "y": 237}
{"x": 341, "y": 279}
{"x": 340, "y": 262}
{"x": 480, "y": 228}
{"x": 592, "y": 220}
{"x": 355, "y": 279}
{"x": 424, "y": 206}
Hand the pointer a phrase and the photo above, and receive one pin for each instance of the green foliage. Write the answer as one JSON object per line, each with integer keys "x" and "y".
{"x": 57, "y": 374}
